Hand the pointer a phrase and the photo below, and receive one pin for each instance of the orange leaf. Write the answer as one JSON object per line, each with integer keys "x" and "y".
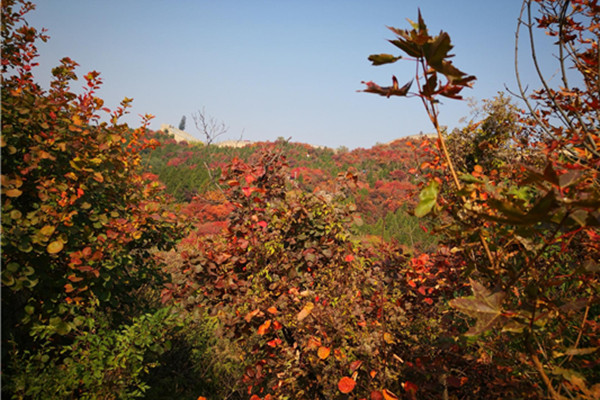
{"x": 313, "y": 343}
{"x": 373, "y": 373}
{"x": 201, "y": 398}
{"x": 323, "y": 352}
{"x": 263, "y": 328}
{"x": 387, "y": 395}
{"x": 346, "y": 384}
{"x": 13, "y": 193}
{"x": 98, "y": 177}
{"x": 305, "y": 311}
{"x": 251, "y": 315}
{"x": 272, "y": 310}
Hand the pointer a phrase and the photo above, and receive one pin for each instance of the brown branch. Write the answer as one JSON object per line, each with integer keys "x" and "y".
{"x": 585, "y": 315}
{"x": 540, "y": 369}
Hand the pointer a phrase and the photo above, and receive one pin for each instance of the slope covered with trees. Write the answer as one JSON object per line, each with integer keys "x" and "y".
{"x": 458, "y": 267}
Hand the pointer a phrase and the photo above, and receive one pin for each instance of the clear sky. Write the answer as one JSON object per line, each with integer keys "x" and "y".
{"x": 274, "y": 68}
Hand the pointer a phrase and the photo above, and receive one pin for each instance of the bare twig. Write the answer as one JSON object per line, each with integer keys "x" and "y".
{"x": 208, "y": 126}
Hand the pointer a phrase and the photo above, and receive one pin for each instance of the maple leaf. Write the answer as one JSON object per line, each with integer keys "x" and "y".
{"x": 484, "y": 306}
{"x": 387, "y": 91}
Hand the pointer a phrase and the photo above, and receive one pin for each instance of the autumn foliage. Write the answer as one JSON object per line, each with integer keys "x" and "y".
{"x": 80, "y": 219}
{"x": 463, "y": 266}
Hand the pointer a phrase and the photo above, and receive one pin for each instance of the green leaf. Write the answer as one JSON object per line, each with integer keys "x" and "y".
{"x": 484, "y": 306}
{"x": 380, "y": 59}
{"x": 468, "y": 178}
{"x": 438, "y": 49}
{"x": 427, "y": 199}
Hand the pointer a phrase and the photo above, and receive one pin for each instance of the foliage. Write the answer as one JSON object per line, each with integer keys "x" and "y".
{"x": 489, "y": 142}
{"x": 80, "y": 224}
{"x": 404, "y": 228}
{"x": 290, "y": 284}
{"x": 527, "y": 236}
{"x": 100, "y": 363}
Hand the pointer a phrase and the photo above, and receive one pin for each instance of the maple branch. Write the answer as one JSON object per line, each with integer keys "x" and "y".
{"x": 585, "y": 315}
{"x": 540, "y": 369}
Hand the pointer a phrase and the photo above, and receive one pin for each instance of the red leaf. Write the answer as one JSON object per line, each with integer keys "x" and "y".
{"x": 346, "y": 384}
{"x": 410, "y": 387}
{"x": 376, "y": 395}
{"x": 248, "y": 190}
{"x": 355, "y": 365}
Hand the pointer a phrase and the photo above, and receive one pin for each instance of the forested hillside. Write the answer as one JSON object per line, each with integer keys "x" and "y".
{"x": 384, "y": 179}
{"x": 460, "y": 266}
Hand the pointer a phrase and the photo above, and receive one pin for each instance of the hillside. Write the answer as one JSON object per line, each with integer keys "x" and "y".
{"x": 384, "y": 186}
{"x": 137, "y": 265}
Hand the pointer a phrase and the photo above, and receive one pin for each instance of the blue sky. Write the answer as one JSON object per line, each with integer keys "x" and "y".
{"x": 274, "y": 68}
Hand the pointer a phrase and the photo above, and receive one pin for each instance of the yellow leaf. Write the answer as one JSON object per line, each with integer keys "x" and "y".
{"x": 47, "y": 230}
{"x": 305, "y": 311}
{"x": 55, "y": 247}
{"x": 388, "y": 338}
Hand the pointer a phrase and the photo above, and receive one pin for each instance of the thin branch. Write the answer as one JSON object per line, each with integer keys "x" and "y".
{"x": 540, "y": 369}
{"x": 562, "y": 115}
{"x": 523, "y": 95}
{"x": 210, "y": 127}
{"x": 585, "y": 315}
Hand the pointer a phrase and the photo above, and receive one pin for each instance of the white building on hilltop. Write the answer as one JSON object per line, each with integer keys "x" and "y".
{"x": 178, "y": 134}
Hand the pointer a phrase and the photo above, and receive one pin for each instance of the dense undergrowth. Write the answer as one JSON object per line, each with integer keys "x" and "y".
{"x": 465, "y": 267}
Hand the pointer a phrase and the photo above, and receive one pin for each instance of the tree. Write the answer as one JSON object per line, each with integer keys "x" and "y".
{"x": 182, "y": 124}
{"x": 208, "y": 126}
{"x": 80, "y": 226}
{"x": 528, "y": 236}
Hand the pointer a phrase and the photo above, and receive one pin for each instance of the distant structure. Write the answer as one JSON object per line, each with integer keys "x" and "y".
{"x": 178, "y": 134}
{"x": 233, "y": 143}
